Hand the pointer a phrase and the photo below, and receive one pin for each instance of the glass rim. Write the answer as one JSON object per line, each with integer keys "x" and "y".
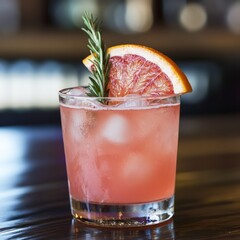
{"x": 64, "y": 94}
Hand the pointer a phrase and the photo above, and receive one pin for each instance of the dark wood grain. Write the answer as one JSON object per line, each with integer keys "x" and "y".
{"x": 34, "y": 200}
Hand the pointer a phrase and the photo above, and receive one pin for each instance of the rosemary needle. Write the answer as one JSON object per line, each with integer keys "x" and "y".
{"x": 100, "y": 69}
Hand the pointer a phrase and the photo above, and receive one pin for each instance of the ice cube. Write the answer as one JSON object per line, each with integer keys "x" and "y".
{"x": 115, "y": 129}
{"x": 76, "y": 127}
{"x": 91, "y": 180}
{"x": 136, "y": 166}
{"x": 78, "y": 97}
{"x": 90, "y": 103}
{"x": 77, "y": 91}
{"x": 133, "y": 101}
{"x": 73, "y": 93}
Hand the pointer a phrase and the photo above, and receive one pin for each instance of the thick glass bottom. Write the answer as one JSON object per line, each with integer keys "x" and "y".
{"x": 123, "y": 215}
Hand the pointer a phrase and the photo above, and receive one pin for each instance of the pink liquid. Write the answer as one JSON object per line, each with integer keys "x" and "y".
{"x": 121, "y": 156}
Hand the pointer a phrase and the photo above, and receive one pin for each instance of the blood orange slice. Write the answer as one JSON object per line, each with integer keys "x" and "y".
{"x": 137, "y": 69}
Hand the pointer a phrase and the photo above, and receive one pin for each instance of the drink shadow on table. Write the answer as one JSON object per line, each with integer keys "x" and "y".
{"x": 162, "y": 231}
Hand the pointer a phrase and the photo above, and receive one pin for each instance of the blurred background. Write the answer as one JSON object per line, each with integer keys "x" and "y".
{"x": 42, "y": 45}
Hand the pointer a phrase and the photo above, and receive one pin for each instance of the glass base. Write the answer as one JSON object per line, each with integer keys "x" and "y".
{"x": 123, "y": 215}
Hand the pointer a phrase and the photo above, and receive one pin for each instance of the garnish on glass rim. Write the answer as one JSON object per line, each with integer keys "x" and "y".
{"x": 130, "y": 69}
{"x": 98, "y": 86}
{"x": 143, "y": 71}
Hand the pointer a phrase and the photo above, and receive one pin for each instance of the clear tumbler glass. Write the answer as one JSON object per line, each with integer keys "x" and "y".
{"x": 121, "y": 157}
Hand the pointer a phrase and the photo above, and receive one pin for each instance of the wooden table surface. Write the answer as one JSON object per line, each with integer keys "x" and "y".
{"x": 34, "y": 200}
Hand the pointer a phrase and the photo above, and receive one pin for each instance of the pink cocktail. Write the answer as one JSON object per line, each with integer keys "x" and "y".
{"x": 120, "y": 157}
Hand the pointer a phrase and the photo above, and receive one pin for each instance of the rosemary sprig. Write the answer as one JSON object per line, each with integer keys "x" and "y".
{"x": 100, "y": 71}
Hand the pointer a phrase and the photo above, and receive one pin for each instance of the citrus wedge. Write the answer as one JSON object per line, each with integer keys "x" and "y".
{"x": 137, "y": 69}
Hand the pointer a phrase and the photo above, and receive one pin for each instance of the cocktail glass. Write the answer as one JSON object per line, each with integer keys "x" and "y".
{"x": 121, "y": 156}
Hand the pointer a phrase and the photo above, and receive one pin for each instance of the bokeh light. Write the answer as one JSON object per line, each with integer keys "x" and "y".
{"x": 233, "y": 17}
{"x": 193, "y": 17}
